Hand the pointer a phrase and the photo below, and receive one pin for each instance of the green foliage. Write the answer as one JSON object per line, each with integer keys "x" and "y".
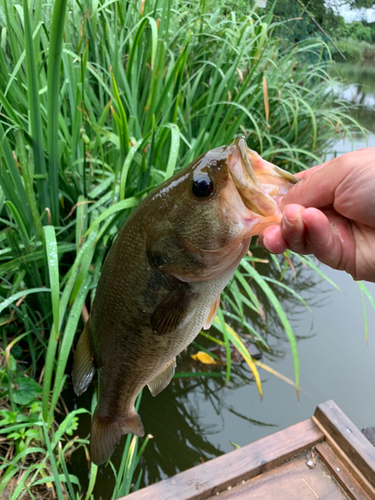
{"x": 99, "y": 104}
{"x": 299, "y": 23}
{"x": 356, "y": 31}
{"x": 20, "y": 421}
{"x": 353, "y": 50}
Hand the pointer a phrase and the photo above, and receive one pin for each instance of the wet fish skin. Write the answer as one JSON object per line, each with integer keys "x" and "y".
{"x": 162, "y": 279}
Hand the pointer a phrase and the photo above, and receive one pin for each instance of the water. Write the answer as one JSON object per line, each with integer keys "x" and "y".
{"x": 196, "y": 419}
{"x": 359, "y": 88}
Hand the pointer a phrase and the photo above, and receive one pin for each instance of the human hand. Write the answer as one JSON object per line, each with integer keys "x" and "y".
{"x": 331, "y": 214}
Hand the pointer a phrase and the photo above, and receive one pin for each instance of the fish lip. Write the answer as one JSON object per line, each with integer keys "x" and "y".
{"x": 243, "y": 176}
{"x": 260, "y": 183}
{"x": 237, "y": 155}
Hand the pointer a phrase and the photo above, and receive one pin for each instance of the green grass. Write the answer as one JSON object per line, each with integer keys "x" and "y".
{"x": 99, "y": 103}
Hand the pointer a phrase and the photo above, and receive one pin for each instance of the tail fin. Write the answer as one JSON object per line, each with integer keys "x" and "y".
{"x": 83, "y": 366}
{"x": 105, "y": 434}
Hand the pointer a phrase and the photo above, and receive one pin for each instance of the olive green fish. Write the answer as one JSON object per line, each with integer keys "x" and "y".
{"x": 162, "y": 279}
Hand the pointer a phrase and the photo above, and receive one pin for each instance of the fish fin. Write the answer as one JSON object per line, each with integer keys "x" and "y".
{"x": 106, "y": 434}
{"x": 83, "y": 366}
{"x": 161, "y": 381}
{"x": 212, "y": 314}
{"x": 172, "y": 310}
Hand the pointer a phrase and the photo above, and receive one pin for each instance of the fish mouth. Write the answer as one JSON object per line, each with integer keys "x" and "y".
{"x": 260, "y": 184}
{"x": 254, "y": 189}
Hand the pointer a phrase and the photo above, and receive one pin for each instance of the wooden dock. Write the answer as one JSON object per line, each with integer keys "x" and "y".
{"x": 325, "y": 457}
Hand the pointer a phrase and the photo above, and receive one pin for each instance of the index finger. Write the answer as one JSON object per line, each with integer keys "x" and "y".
{"x": 306, "y": 173}
{"x": 318, "y": 184}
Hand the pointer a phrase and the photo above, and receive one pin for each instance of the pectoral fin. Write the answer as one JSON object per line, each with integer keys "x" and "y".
{"x": 83, "y": 366}
{"x": 172, "y": 310}
{"x": 212, "y": 314}
{"x": 161, "y": 381}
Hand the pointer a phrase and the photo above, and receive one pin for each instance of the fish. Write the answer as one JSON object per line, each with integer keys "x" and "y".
{"x": 161, "y": 281}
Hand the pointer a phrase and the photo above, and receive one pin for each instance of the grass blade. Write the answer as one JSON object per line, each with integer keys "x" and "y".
{"x": 53, "y": 100}
{"x": 53, "y": 269}
{"x": 238, "y": 344}
{"x": 280, "y": 311}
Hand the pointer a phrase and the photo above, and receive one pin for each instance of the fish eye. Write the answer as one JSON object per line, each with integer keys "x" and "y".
{"x": 202, "y": 185}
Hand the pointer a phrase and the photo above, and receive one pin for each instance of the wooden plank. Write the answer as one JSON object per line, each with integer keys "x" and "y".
{"x": 359, "y": 450}
{"x": 356, "y": 473}
{"x": 205, "y": 480}
{"x": 340, "y": 472}
{"x": 291, "y": 481}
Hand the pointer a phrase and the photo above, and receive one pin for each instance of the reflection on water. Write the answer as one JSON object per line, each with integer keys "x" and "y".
{"x": 358, "y": 87}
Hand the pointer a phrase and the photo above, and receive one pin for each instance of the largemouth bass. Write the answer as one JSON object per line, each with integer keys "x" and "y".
{"x": 162, "y": 279}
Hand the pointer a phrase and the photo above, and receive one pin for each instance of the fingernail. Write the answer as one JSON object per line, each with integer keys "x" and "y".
{"x": 288, "y": 222}
{"x": 265, "y": 246}
{"x": 290, "y": 219}
{"x": 270, "y": 233}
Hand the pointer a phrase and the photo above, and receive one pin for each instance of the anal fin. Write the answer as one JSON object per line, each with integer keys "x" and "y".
{"x": 211, "y": 315}
{"x": 161, "y": 381}
{"x": 106, "y": 433}
{"x": 83, "y": 366}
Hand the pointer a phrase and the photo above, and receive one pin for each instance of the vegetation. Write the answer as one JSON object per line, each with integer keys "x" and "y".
{"x": 353, "y": 50}
{"x": 99, "y": 103}
{"x": 303, "y": 19}
{"x": 355, "y": 40}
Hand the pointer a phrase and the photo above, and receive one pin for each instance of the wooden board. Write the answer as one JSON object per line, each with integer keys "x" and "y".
{"x": 205, "y": 480}
{"x": 348, "y": 437}
{"x": 275, "y": 467}
{"x": 342, "y": 474}
{"x": 291, "y": 481}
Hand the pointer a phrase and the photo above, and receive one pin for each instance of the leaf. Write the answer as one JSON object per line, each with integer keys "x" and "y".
{"x": 308, "y": 261}
{"x": 26, "y": 391}
{"x": 281, "y": 313}
{"x": 173, "y": 153}
{"x": 228, "y": 354}
{"x": 53, "y": 269}
{"x": 204, "y": 358}
{"x": 18, "y": 295}
{"x": 121, "y": 205}
{"x": 365, "y": 292}
{"x": 274, "y": 372}
{"x": 53, "y": 102}
{"x": 238, "y": 344}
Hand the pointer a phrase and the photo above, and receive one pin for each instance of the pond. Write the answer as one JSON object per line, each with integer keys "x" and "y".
{"x": 196, "y": 419}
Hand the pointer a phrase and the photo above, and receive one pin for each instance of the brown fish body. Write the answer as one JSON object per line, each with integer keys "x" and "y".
{"x": 162, "y": 279}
